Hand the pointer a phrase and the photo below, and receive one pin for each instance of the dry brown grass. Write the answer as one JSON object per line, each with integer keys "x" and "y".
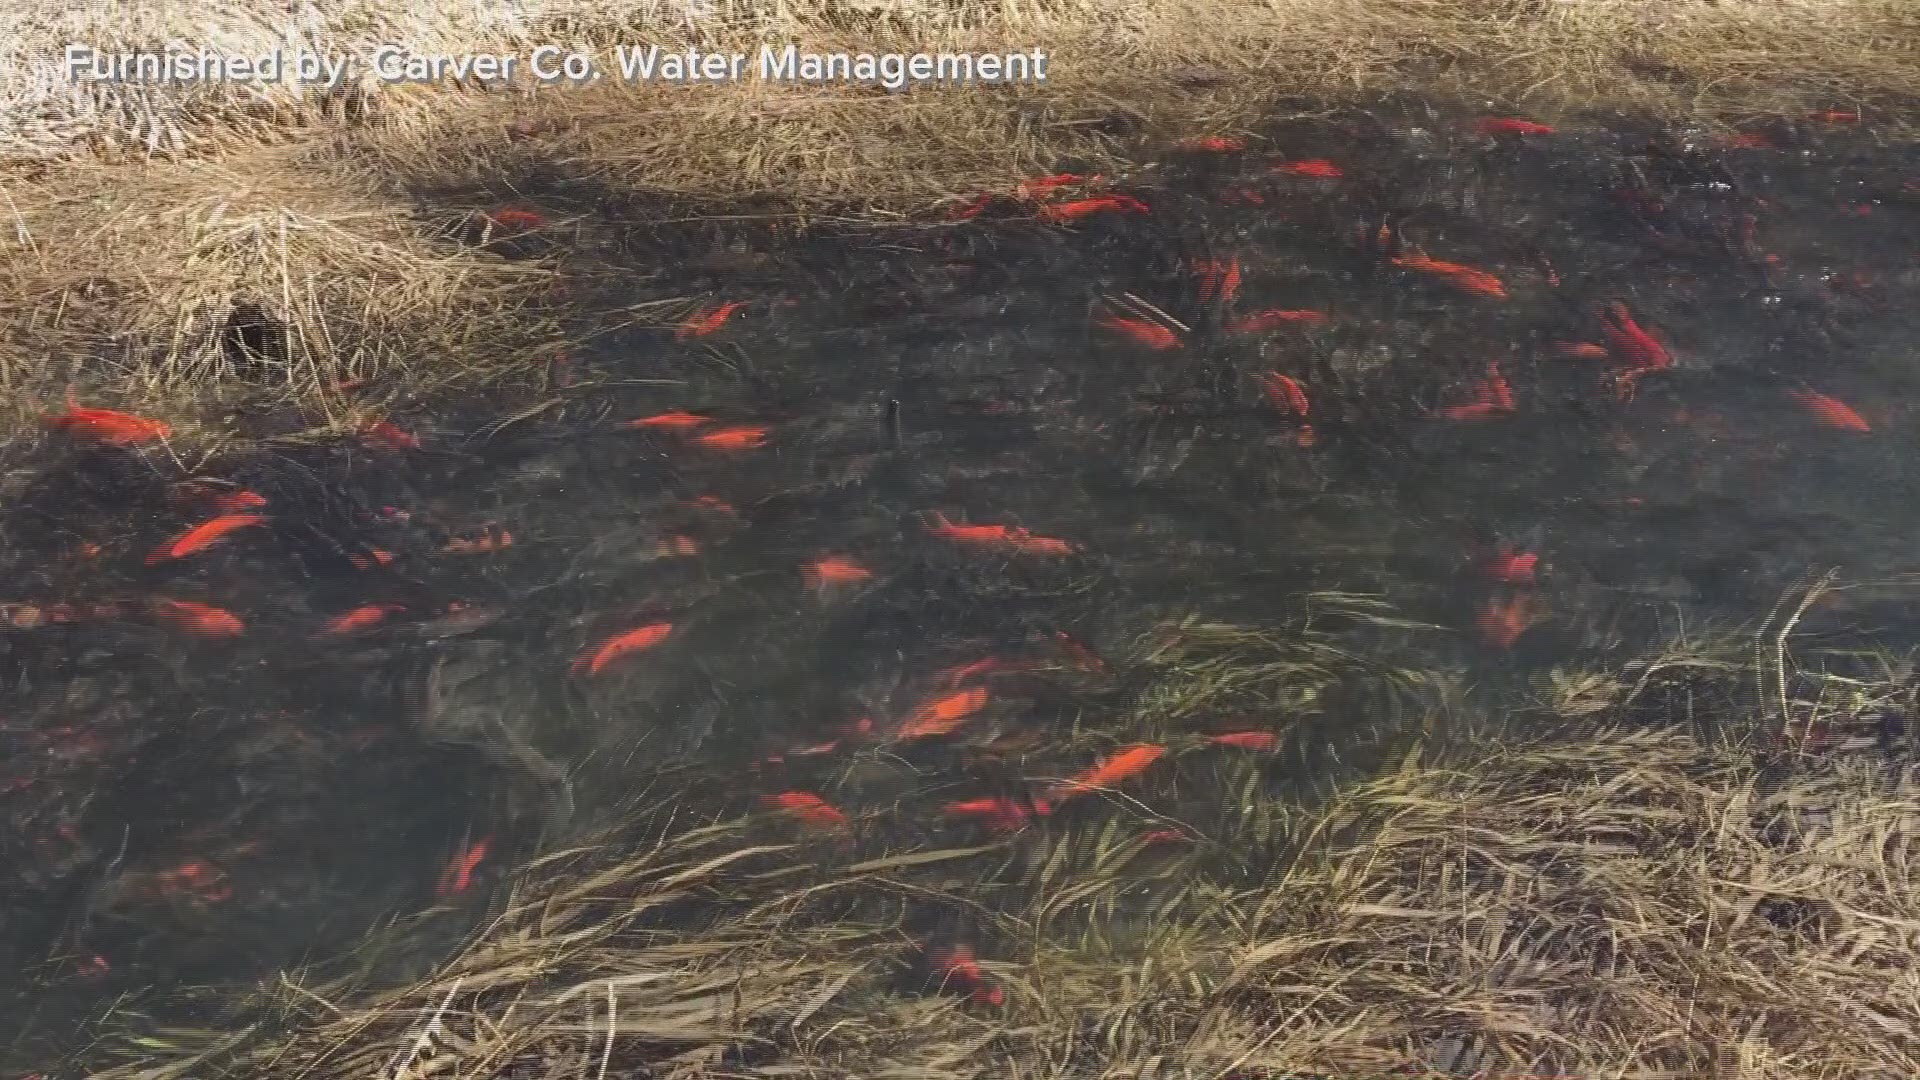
{"x": 119, "y": 266}
{"x": 1601, "y": 898}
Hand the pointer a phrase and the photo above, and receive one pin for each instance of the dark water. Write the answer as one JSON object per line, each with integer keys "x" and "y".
{"x": 182, "y": 809}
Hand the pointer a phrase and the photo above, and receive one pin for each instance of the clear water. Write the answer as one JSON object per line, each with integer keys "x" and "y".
{"x": 320, "y": 786}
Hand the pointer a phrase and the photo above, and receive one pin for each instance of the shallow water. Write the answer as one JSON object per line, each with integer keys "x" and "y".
{"x": 188, "y": 809}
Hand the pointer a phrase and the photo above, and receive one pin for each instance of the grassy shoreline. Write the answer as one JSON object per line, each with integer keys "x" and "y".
{"x": 141, "y": 216}
{"x": 1595, "y": 895}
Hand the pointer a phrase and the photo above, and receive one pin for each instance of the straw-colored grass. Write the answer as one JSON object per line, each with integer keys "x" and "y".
{"x": 330, "y": 209}
{"x": 1601, "y": 897}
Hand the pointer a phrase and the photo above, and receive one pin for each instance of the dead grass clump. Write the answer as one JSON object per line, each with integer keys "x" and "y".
{"x": 1607, "y": 898}
{"x": 123, "y": 279}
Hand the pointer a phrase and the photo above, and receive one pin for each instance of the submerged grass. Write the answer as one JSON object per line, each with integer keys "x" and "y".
{"x": 1607, "y": 894}
{"x": 331, "y": 210}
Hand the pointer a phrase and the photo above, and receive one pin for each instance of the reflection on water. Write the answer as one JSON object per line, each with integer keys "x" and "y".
{"x": 932, "y": 489}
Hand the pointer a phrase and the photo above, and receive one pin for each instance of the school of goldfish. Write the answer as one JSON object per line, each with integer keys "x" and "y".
{"x": 1231, "y": 337}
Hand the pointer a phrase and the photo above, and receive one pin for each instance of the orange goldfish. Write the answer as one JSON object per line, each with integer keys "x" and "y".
{"x": 385, "y": 436}
{"x": 1834, "y": 116}
{"x": 1123, "y": 765}
{"x": 1318, "y": 168}
{"x": 517, "y": 220}
{"x": 490, "y": 540}
{"x": 1503, "y": 621}
{"x": 998, "y": 815}
{"x": 835, "y": 570}
{"x": 1273, "y": 318}
{"x": 203, "y": 536}
{"x": 942, "y": 716}
{"x": 678, "y": 546}
{"x": 196, "y": 618}
{"x": 1290, "y": 397}
{"x": 955, "y": 968}
{"x": 1079, "y": 655}
{"x": 1218, "y": 278}
{"x": 1074, "y": 211}
{"x": 108, "y": 427}
{"x": 1830, "y": 412}
{"x": 1492, "y": 397}
{"x": 1512, "y": 567}
{"x": 1509, "y": 126}
{"x": 365, "y": 617}
{"x": 1581, "y": 350}
{"x": 458, "y": 876}
{"x": 707, "y": 320}
{"x": 954, "y": 676}
{"x": 1003, "y": 535}
{"x": 734, "y": 438}
{"x": 640, "y": 639}
{"x": 370, "y": 558}
{"x": 1466, "y": 278}
{"x": 1747, "y": 140}
{"x": 1260, "y": 741}
{"x": 807, "y": 808}
{"x": 1042, "y": 186}
{"x": 1628, "y": 344}
{"x": 1152, "y": 335}
{"x": 1212, "y": 144}
{"x": 670, "y": 421}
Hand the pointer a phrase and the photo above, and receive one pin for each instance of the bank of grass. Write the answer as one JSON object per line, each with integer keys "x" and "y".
{"x": 1595, "y": 892}
{"x": 137, "y": 216}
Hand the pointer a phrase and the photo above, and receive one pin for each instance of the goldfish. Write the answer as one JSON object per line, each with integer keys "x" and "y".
{"x": 1273, "y": 318}
{"x": 1218, "y": 278}
{"x": 716, "y": 505}
{"x": 1318, "y": 168}
{"x": 1492, "y": 397}
{"x": 998, "y": 815}
{"x": 807, "y": 808}
{"x": 734, "y": 438}
{"x": 1834, "y": 116}
{"x": 943, "y": 715}
{"x": 370, "y": 558}
{"x": 196, "y": 878}
{"x": 1164, "y": 838}
{"x": 458, "y": 876}
{"x": 108, "y": 427}
{"x": 1508, "y": 126}
{"x": 1123, "y": 765}
{"x": 681, "y": 546}
{"x": 835, "y": 570}
{"x": 1002, "y": 535}
{"x": 1041, "y": 186}
{"x": 954, "y": 968}
{"x": 1466, "y": 278}
{"x": 1512, "y": 567}
{"x": 517, "y": 220}
{"x": 196, "y": 618}
{"x": 1212, "y": 144}
{"x": 639, "y": 639}
{"x": 1290, "y": 397}
{"x": 707, "y": 320}
{"x": 1246, "y": 740}
{"x": 971, "y": 208}
{"x": 1581, "y": 350}
{"x": 1074, "y": 211}
{"x": 1747, "y": 141}
{"x": 203, "y": 536}
{"x": 1503, "y": 621}
{"x": 490, "y": 540}
{"x": 954, "y": 676}
{"x": 1830, "y": 412}
{"x": 670, "y": 421}
{"x": 1079, "y": 655}
{"x": 365, "y": 617}
{"x": 1628, "y": 344}
{"x": 1152, "y": 335}
{"x": 385, "y": 436}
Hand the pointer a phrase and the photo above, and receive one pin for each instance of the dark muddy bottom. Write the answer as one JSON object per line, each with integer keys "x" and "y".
{"x": 184, "y": 800}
